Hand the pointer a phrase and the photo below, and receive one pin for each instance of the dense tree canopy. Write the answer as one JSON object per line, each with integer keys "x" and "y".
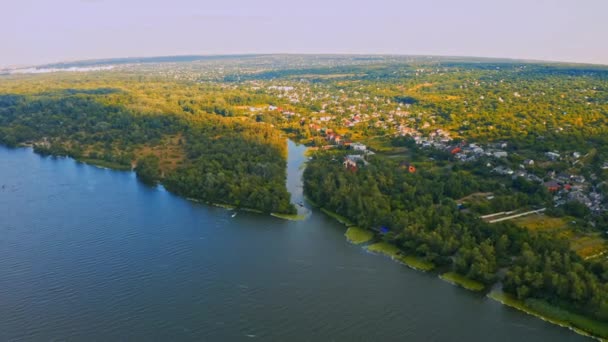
{"x": 421, "y": 213}
{"x": 200, "y": 155}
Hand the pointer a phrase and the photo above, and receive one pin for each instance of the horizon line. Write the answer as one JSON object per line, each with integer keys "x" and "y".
{"x": 110, "y": 59}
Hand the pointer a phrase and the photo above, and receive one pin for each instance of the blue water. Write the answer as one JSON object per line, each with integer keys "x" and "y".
{"x": 92, "y": 254}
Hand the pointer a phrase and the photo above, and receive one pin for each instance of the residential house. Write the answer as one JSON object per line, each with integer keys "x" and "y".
{"x": 552, "y": 155}
{"x": 552, "y": 185}
{"x": 358, "y": 147}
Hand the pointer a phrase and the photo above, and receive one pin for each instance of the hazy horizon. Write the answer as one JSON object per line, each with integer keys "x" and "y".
{"x": 42, "y": 32}
{"x": 117, "y": 58}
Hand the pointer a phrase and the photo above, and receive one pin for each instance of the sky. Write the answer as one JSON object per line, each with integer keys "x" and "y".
{"x": 43, "y": 31}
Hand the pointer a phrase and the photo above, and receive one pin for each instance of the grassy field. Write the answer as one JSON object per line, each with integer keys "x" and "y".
{"x": 462, "y": 281}
{"x": 587, "y": 245}
{"x": 555, "y": 315}
{"x": 380, "y": 144}
{"x": 170, "y": 152}
{"x": 416, "y": 263}
{"x": 393, "y": 252}
{"x": 541, "y": 222}
{"x": 358, "y": 236}
{"x": 384, "y": 248}
{"x": 476, "y": 198}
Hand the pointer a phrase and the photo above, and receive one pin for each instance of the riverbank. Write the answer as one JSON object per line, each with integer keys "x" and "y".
{"x": 337, "y": 217}
{"x": 358, "y": 236}
{"x": 540, "y": 309}
{"x": 395, "y": 253}
{"x": 104, "y": 164}
{"x": 555, "y": 315}
{"x": 123, "y": 167}
{"x": 462, "y": 281}
{"x": 226, "y": 206}
{"x": 294, "y": 217}
{"x": 177, "y": 248}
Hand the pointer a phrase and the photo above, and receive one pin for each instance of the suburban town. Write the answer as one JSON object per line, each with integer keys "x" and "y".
{"x": 346, "y": 117}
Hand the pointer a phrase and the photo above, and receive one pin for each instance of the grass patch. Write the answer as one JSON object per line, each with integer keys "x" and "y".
{"x": 233, "y": 207}
{"x": 541, "y": 222}
{"x": 289, "y": 217}
{"x": 462, "y": 281}
{"x": 221, "y": 205}
{"x": 252, "y": 210}
{"x": 588, "y": 245}
{"x": 384, "y": 248}
{"x": 417, "y": 263}
{"x": 380, "y": 144}
{"x": 587, "y": 324}
{"x": 477, "y": 198}
{"x": 169, "y": 151}
{"x": 358, "y": 236}
{"x": 553, "y": 314}
{"x": 337, "y": 217}
{"x": 394, "y": 253}
{"x": 106, "y": 164}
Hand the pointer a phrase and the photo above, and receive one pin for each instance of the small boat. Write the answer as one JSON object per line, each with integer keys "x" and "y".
{"x": 301, "y": 204}
{"x": 233, "y": 215}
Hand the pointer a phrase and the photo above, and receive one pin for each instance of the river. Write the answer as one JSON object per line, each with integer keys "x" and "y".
{"x": 92, "y": 254}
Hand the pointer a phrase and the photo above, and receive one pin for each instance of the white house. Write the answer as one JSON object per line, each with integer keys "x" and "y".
{"x": 552, "y": 155}
{"x": 358, "y": 147}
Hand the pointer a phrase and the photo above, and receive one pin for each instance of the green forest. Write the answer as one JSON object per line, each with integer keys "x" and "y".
{"x": 423, "y": 219}
{"x": 206, "y": 157}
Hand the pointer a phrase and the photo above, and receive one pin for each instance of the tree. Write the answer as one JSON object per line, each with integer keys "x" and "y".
{"x": 148, "y": 169}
